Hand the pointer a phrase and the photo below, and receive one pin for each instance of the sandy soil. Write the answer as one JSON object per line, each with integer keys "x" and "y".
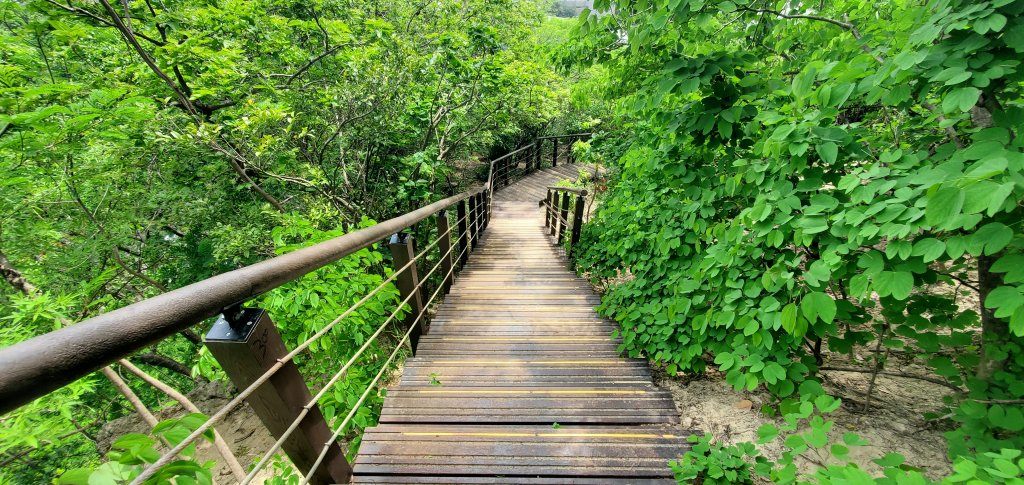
{"x": 242, "y": 430}
{"x": 893, "y": 423}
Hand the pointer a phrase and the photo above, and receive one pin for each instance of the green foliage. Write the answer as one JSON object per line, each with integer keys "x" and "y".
{"x": 713, "y": 463}
{"x": 130, "y": 454}
{"x": 808, "y": 178}
{"x": 257, "y": 127}
{"x": 805, "y": 432}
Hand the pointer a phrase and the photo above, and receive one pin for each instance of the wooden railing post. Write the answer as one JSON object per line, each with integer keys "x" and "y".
{"x": 537, "y": 144}
{"x": 246, "y": 343}
{"x": 463, "y": 223}
{"x": 547, "y": 209}
{"x": 444, "y": 246}
{"x": 473, "y": 233}
{"x": 554, "y": 152}
{"x": 565, "y": 217}
{"x": 403, "y": 251}
{"x": 485, "y": 196}
{"x": 577, "y": 222}
{"x": 481, "y": 216}
{"x": 554, "y": 211}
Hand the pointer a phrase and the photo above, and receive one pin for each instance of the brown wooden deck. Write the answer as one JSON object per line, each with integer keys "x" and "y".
{"x": 516, "y": 348}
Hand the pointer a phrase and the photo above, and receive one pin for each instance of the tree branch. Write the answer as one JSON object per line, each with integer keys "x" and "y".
{"x": 81, "y": 12}
{"x": 894, "y": 374}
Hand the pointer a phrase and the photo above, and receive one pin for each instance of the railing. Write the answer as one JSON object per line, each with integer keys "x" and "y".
{"x": 525, "y": 160}
{"x": 556, "y": 214}
{"x": 246, "y": 342}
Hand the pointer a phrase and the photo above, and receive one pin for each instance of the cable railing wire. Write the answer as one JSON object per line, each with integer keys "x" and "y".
{"x": 373, "y": 383}
{"x": 237, "y": 400}
{"x": 337, "y": 376}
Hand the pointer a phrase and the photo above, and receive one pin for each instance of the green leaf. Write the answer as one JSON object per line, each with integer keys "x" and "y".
{"x": 818, "y": 304}
{"x": 993, "y": 237}
{"x": 929, "y": 249}
{"x": 789, "y": 318}
{"x": 1014, "y": 37}
{"x": 78, "y": 476}
{"x": 890, "y": 459}
{"x": 962, "y": 99}
{"x": 1013, "y": 267}
{"x": 828, "y": 152}
{"x": 1006, "y": 299}
{"x": 767, "y": 432}
{"x": 944, "y": 206}
{"x": 899, "y": 284}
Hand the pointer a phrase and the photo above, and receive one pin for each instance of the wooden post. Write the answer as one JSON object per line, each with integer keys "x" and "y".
{"x": 577, "y": 222}
{"x": 403, "y": 251}
{"x": 536, "y": 153}
{"x": 554, "y": 208}
{"x": 554, "y": 152}
{"x": 565, "y": 217}
{"x": 472, "y": 222}
{"x": 460, "y": 212}
{"x": 485, "y": 198}
{"x": 444, "y": 245}
{"x": 481, "y": 213}
{"x": 246, "y": 343}
{"x": 547, "y": 210}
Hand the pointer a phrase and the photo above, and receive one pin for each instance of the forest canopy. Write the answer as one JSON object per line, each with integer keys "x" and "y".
{"x": 149, "y": 144}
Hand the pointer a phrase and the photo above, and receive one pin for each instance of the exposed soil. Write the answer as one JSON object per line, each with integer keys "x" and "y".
{"x": 242, "y": 430}
{"x": 893, "y": 423}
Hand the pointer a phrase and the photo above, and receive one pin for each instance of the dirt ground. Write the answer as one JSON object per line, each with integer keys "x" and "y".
{"x": 893, "y": 423}
{"x": 242, "y": 430}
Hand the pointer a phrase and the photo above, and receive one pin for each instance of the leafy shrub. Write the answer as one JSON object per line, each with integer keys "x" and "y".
{"x": 808, "y": 178}
{"x": 130, "y": 454}
{"x": 712, "y": 463}
{"x": 807, "y": 433}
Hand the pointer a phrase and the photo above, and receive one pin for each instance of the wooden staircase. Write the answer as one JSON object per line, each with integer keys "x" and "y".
{"x": 518, "y": 380}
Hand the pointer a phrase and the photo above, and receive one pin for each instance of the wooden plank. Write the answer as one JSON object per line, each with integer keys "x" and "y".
{"x": 515, "y": 347}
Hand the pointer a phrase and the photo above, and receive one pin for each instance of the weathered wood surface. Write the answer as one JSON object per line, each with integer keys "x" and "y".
{"x": 534, "y": 187}
{"x": 515, "y": 348}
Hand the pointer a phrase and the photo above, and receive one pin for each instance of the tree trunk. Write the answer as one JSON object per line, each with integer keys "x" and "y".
{"x": 994, "y": 331}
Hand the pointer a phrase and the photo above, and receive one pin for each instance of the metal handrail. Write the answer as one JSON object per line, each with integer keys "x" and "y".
{"x": 37, "y": 366}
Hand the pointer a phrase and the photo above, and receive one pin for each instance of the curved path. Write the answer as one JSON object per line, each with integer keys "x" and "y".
{"x": 517, "y": 380}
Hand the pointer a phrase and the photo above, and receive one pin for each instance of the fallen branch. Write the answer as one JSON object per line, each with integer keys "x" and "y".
{"x": 895, "y": 374}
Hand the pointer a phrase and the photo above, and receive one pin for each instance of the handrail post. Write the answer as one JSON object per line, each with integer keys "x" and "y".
{"x": 463, "y": 223}
{"x": 554, "y": 152}
{"x": 408, "y": 281}
{"x": 473, "y": 232}
{"x": 481, "y": 216}
{"x": 537, "y": 144}
{"x": 554, "y": 211}
{"x": 577, "y": 222}
{"x": 246, "y": 343}
{"x": 565, "y": 217}
{"x": 444, "y": 246}
{"x": 485, "y": 198}
{"x": 547, "y": 210}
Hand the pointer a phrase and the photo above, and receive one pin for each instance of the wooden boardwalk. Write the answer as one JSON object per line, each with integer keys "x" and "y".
{"x": 516, "y": 348}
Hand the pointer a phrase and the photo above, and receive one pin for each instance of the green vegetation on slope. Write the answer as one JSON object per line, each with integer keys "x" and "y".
{"x": 799, "y": 178}
{"x": 146, "y": 145}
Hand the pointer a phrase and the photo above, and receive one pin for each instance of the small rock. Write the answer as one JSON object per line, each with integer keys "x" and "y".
{"x": 744, "y": 404}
